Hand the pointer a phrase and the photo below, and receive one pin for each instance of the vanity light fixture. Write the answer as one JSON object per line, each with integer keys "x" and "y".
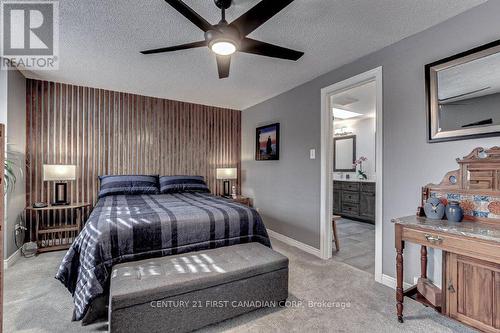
{"x": 343, "y": 131}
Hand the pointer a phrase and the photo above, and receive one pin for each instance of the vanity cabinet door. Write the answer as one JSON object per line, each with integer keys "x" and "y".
{"x": 367, "y": 205}
{"x": 368, "y": 187}
{"x": 337, "y": 201}
{"x": 472, "y": 292}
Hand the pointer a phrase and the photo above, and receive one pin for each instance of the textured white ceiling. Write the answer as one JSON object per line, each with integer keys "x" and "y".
{"x": 100, "y": 42}
{"x": 463, "y": 80}
{"x": 364, "y": 98}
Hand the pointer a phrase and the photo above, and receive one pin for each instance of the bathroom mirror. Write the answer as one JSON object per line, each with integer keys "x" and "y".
{"x": 344, "y": 153}
{"x": 463, "y": 95}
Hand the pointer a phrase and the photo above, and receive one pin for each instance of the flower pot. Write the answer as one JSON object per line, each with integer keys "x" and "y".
{"x": 362, "y": 175}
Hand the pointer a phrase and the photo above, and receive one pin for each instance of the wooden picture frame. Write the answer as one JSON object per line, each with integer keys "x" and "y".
{"x": 267, "y": 149}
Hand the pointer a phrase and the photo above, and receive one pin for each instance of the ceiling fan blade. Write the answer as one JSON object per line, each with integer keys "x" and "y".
{"x": 253, "y": 46}
{"x": 176, "y": 48}
{"x": 223, "y": 63}
{"x": 190, "y": 14}
{"x": 258, "y": 15}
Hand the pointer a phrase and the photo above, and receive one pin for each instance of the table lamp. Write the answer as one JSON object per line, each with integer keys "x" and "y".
{"x": 60, "y": 173}
{"x": 226, "y": 174}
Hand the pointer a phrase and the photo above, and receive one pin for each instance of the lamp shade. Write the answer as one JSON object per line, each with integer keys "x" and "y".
{"x": 227, "y": 173}
{"x": 55, "y": 172}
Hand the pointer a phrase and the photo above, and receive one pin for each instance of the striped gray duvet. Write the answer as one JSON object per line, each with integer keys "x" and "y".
{"x": 125, "y": 228}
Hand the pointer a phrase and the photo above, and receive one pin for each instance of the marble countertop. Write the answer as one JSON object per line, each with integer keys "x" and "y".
{"x": 470, "y": 229}
{"x": 355, "y": 180}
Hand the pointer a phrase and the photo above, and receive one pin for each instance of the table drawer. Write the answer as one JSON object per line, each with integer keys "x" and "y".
{"x": 350, "y": 196}
{"x": 476, "y": 248}
{"x": 350, "y": 186}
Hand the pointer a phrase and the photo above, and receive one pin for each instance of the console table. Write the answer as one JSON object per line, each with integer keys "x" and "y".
{"x": 470, "y": 290}
{"x": 471, "y": 272}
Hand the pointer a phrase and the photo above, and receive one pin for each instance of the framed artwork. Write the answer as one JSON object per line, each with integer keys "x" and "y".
{"x": 267, "y": 143}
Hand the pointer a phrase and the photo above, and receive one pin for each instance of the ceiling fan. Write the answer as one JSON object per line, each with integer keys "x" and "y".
{"x": 225, "y": 38}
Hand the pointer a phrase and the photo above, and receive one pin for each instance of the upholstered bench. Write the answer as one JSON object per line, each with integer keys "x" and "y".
{"x": 181, "y": 293}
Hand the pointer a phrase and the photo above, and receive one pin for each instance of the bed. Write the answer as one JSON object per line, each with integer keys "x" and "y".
{"x": 124, "y": 228}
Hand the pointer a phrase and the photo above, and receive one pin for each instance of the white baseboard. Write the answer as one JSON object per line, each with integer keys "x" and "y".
{"x": 390, "y": 282}
{"x": 290, "y": 241}
{"x": 10, "y": 261}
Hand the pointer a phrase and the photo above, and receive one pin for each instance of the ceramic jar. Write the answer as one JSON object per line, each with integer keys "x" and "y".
{"x": 454, "y": 212}
{"x": 434, "y": 209}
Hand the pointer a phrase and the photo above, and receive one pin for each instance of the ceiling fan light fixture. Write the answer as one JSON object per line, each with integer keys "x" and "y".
{"x": 224, "y": 39}
{"x": 223, "y": 47}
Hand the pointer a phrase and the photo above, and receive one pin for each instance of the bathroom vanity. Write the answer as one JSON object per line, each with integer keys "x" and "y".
{"x": 354, "y": 199}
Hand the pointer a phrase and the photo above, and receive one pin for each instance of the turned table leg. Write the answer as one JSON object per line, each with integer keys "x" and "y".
{"x": 423, "y": 262}
{"x": 399, "y": 271}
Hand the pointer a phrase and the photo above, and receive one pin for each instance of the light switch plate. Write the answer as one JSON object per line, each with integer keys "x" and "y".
{"x": 312, "y": 154}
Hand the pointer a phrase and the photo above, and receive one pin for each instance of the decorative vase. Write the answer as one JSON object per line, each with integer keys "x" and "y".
{"x": 434, "y": 209}
{"x": 362, "y": 175}
{"x": 454, "y": 212}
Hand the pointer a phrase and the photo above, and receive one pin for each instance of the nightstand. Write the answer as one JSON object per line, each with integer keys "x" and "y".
{"x": 243, "y": 200}
{"x": 56, "y": 227}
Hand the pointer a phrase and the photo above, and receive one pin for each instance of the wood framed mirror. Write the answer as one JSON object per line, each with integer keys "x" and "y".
{"x": 344, "y": 153}
{"x": 463, "y": 95}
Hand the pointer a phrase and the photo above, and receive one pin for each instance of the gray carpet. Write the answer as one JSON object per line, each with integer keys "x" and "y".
{"x": 36, "y": 302}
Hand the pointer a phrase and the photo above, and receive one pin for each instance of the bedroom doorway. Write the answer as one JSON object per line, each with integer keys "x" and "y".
{"x": 351, "y": 141}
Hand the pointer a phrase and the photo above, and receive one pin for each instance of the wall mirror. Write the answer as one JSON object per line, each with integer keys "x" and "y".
{"x": 463, "y": 95}
{"x": 344, "y": 153}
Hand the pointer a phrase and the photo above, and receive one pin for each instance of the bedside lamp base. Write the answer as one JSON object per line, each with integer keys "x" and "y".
{"x": 226, "y": 189}
{"x": 60, "y": 194}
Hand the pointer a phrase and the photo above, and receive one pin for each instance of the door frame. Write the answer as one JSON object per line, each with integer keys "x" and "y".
{"x": 326, "y": 163}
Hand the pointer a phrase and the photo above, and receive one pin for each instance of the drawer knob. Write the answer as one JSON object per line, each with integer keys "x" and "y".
{"x": 433, "y": 239}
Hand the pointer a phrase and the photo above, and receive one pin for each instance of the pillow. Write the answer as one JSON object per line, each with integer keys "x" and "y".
{"x": 172, "y": 184}
{"x": 128, "y": 184}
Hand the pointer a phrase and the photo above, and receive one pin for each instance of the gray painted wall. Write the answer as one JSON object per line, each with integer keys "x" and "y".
{"x": 287, "y": 192}
{"x": 16, "y": 148}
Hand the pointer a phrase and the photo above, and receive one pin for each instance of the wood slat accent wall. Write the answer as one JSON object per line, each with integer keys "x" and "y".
{"x": 106, "y": 132}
